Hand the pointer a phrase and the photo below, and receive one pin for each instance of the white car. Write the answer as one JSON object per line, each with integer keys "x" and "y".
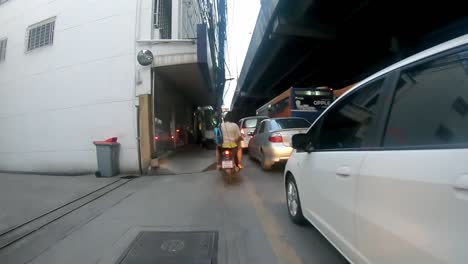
{"x": 247, "y": 126}
{"x": 383, "y": 172}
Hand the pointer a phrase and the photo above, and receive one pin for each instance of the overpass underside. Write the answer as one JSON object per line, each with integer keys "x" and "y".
{"x": 337, "y": 43}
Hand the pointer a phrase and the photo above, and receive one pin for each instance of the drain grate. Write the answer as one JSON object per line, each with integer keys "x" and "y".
{"x": 199, "y": 247}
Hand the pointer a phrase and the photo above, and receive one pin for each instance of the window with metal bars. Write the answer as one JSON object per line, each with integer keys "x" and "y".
{"x": 3, "y": 46}
{"x": 40, "y": 35}
{"x": 163, "y": 17}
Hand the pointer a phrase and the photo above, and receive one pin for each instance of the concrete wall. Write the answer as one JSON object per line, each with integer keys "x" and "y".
{"x": 55, "y": 100}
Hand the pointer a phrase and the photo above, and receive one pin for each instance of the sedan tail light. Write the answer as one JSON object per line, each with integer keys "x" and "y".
{"x": 276, "y": 138}
{"x": 242, "y": 132}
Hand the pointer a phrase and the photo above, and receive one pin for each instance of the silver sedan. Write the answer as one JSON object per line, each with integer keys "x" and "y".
{"x": 271, "y": 141}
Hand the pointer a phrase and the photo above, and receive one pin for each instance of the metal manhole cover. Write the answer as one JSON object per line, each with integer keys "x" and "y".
{"x": 172, "y": 247}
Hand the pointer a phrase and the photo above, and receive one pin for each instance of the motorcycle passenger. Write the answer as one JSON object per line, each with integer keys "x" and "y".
{"x": 231, "y": 138}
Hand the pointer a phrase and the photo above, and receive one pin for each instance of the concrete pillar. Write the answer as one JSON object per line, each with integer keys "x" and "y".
{"x": 173, "y": 126}
{"x": 146, "y": 131}
{"x": 187, "y": 124}
{"x": 175, "y": 19}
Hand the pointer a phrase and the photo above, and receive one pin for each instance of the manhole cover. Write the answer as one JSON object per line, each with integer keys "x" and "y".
{"x": 173, "y": 247}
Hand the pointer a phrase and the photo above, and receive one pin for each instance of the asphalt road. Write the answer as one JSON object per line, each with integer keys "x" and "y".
{"x": 304, "y": 243}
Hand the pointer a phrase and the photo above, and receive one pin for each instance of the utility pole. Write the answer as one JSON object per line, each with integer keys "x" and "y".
{"x": 221, "y": 71}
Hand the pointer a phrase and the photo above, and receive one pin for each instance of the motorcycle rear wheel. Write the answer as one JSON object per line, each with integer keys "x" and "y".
{"x": 230, "y": 173}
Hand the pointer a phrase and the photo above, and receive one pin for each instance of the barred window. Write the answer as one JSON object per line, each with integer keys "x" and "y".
{"x": 40, "y": 34}
{"x": 3, "y": 46}
{"x": 162, "y": 18}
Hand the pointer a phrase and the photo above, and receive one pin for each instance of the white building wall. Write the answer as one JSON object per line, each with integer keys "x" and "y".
{"x": 55, "y": 100}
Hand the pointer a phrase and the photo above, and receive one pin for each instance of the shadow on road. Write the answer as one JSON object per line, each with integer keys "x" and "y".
{"x": 278, "y": 167}
{"x": 236, "y": 181}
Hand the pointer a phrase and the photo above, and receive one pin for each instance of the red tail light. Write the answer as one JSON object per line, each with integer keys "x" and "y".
{"x": 227, "y": 153}
{"x": 275, "y": 138}
{"x": 156, "y": 138}
{"x": 242, "y": 132}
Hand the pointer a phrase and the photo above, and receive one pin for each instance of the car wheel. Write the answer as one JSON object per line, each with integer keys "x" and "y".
{"x": 266, "y": 165}
{"x": 293, "y": 202}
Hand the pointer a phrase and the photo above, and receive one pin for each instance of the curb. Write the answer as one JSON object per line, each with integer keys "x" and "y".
{"x": 155, "y": 162}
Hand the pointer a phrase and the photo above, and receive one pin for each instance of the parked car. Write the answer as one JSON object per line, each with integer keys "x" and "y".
{"x": 271, "y": 140}
{"x": 162, "y": 141}
{"x": 248, "y": 125}
{"x": 383, "y": 172}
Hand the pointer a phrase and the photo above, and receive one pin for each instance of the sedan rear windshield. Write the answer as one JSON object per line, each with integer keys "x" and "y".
{"x": 288, "y": 123}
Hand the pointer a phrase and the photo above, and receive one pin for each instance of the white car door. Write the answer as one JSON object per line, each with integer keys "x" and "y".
{"x": 330, "y": 171}
{"x": 413, "y": 192}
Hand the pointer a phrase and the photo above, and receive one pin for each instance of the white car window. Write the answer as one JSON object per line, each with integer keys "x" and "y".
{"x": 430, "y": 105}
{"x": 262, "y": 127}
{"x": 250, "y": 123}
{"x": 346, "y": 124}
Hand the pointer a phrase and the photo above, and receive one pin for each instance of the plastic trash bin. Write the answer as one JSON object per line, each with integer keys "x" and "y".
{"x": 107, "y": 158}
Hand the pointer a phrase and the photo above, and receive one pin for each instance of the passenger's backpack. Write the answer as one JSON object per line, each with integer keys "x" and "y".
{"x": 218, "y": 136}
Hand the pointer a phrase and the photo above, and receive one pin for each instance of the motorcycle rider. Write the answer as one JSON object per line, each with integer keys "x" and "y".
{"x": 231, "y": 139}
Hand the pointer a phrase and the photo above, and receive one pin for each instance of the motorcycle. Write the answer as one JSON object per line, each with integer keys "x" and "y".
{"x": 228, "y": 163}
